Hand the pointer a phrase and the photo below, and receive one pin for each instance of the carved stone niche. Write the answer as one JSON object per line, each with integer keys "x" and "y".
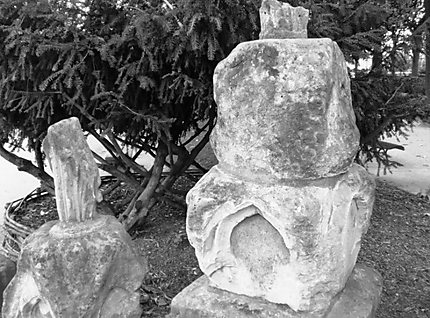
{"x": 293, "y": 244}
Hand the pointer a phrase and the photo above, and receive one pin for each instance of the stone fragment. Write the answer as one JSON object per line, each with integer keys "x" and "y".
{"x": 284, "y": 111}
{"x": 359, "y": 299}
{"x": 7, "y": 272}
{"x": 294, "y": 243}
{"x": 282, "y": 21}
{"x": 84, "y": 264}
{"x": 76, "y": 174}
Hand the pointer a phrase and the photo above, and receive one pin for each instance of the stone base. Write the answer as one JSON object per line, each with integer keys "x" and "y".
{"x": 359, "y": 299}
{"x": 76, "y": 269}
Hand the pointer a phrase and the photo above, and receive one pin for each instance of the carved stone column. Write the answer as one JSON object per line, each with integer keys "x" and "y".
{"x": 84, "y": 264}
{"x": 277, "y": 224}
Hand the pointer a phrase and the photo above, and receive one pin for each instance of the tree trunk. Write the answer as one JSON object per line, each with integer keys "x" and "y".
{"x": 393, "y": 65}
{"x": 356, "y": 67}
{"x": 377, "y": 61}
{"x": 393, "y": 61}
{"x": 146, "y": 199}
{"x": 39, "y": 155}
{"x": 184, "y": 161}
{"x": 416, "y": 51}
{"x": 427, "y": 47}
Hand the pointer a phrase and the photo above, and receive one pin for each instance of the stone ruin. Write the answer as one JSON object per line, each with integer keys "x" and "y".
{"x": 84, "y": 264}
{"x": 277, "y": 224}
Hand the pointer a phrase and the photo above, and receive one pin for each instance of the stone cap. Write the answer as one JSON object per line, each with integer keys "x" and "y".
{"x": 282, "y": 21}
{"x": 284, "y": 110}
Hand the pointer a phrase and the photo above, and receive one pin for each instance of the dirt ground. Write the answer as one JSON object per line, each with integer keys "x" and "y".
{"x": 397, "y": 245}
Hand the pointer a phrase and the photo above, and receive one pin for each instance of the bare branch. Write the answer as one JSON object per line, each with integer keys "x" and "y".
{"x": 26, "y": 165}
{"x": 116, "y": 173}
{"x": 394, "y": 94}
{"x": 198, "y": 132}
{"x": 112, "y": 187}
{"x": 108, "y": 146}
{"x": 127, "y": 161}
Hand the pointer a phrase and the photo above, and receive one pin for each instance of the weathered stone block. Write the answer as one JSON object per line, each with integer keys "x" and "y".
{"x": 284, "y": 110}
{"x": 75, "y": 172}
{"x": 82, "y": 269}
{"x": 293, "y": 243}
{"x": 282, "y": 21}
{"x": 359, "y": 299}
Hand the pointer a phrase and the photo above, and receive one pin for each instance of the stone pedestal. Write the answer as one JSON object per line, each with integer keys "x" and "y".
{"x": 359, "y": 299}
{"x": 277, "y": 224}
{"x": 292, "y": 243}
{"x": 77, "y": 270}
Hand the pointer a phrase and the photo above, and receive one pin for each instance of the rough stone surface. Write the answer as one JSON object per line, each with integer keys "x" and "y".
{"x": 294, "y": 243}
{"x": 76, "y": 270}
{"x": 76, "y": 175}
{"x": 284, "y": 110}
{"x": 7, "y": 272}
{"x": 359, "y": 299}
{"x": 282, "y": 21}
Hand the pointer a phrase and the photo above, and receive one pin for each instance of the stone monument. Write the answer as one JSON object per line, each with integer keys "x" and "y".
{"x": 84, "y": 264}
{"x": 277, "y": 224}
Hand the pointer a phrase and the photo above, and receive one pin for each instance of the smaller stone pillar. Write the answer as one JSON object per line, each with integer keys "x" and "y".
{"x": 281, "y": 21}
{"x": 277, "y": 224}
{"x": 84, "y": 264}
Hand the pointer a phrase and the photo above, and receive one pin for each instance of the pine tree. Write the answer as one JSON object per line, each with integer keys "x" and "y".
{"x": 135, "y": 73}
{"x": 138, "y": 75}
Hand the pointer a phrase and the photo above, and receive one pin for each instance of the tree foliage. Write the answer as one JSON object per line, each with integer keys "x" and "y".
{"x": 139, "y": 74}
{"x": 377, "y": 30}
